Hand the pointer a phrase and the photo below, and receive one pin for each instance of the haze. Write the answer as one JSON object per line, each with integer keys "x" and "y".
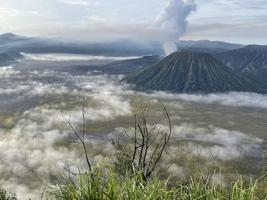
{"x": 99, "y": 20}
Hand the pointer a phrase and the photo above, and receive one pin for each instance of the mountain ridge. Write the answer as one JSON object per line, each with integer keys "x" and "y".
{"x": 191, "y": 72}
{"x": 250, "y": 61}
{"x": 207, "y": 44}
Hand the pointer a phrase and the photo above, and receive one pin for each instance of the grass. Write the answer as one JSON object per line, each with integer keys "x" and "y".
{"x": 120, "y": 182}
{"x": 5, "y": 196}
{"x": 108, "y": 185}
{"x": 127, "y": 180}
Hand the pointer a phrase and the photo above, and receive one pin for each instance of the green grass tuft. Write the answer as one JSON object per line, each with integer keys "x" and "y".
{"x": 111, "y": 186}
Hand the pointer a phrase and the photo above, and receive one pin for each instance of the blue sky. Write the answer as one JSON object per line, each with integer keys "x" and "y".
{"x": 243, "y": 21}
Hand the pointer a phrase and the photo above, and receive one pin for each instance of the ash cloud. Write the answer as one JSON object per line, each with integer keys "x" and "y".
{"x": 173, "y": 20}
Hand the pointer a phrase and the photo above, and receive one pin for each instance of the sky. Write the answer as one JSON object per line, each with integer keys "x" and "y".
{"x": 239, "y": 21}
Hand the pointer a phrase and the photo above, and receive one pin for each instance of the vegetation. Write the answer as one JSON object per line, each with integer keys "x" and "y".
{"x": 145, "y": 148}
{"x": 112, "y": 186}
{"x": 134, "y": 177}
{"x": 5, "y": 196}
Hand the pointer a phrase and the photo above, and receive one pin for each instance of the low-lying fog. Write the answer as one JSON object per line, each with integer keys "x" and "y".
{"x": 39, "y": 93}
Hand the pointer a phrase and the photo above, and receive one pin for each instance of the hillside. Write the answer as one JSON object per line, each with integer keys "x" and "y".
{"x": 207, "y": 44}
{"x": 5, "y": 59}
{"x": 10, "y": 38}
{"x": 191, "y": 72}
{"x": 250, "y": 61}
{"x": 8, "y": 58}
{"x": 12, "y": 42}
{"x": 128, "y": 66}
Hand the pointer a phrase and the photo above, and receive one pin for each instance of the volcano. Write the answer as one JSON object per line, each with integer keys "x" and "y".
{"x": 192, "y": 72}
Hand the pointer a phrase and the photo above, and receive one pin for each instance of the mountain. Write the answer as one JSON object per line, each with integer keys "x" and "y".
{"x": 250, "y": 61}
{"x": 10, "y": 38}
{"x": 14, "y": 55}
{"x": 5, "y": 59}
{"x": 8, "y": 58}
{"x": 128, "y": 66}
{"x": 191, "y": 72}
{"x": 206, "y": 45}
{"x": 212, "y": 51}
{"x": 133, "y": 65}
{"x": 12, "y": 42}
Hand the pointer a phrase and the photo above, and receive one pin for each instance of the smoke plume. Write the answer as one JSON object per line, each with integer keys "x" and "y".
{"x": 173, "y": 20}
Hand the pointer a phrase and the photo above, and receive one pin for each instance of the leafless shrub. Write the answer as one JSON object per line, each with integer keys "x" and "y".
{"x": 147, "y": 145}
{"x": 80, "y": 135}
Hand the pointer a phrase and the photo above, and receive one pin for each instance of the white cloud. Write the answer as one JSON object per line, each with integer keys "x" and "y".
{"x": 35, "y": 145}
{"x": 236, "y": 99}
{"x": 30, "y": 150}
{"x": 80, "y": 2}
{"x": 96, "y": 19}
{"x": 245, "y": 4}
{"x": 8, "y": 71}
{"x": 70, "y": 17}
{"x": 218, "y": 142}
{"x": 70, "y": 57}
{"x": 209, "y": 142}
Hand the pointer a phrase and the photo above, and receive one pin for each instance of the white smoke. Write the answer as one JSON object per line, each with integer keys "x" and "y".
{"x": 173, "y": 20}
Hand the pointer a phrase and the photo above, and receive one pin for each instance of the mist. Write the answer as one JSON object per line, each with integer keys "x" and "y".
{"x": 40, "y": 93}
{"x": 235, "y": 99}
{"x": 144, "y": 38}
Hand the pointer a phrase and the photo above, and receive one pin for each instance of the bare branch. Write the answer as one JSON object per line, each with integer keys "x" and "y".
{"x": 149, "y": 143}
{"x": 82, "y": 138}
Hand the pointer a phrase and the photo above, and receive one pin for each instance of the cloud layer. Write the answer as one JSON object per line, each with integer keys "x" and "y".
{"x": 236, "y": 99}
{"x": 35, "y": 142}
{"x": 215, "y": 142}
{"x": 108, "y": 20}
{"x": 71, "y": 57}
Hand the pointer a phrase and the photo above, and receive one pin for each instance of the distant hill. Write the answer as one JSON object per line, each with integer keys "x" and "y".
{"x": 203, "y": 50}
{"x": 5, "y": 59}
{"x": 12, "y": 42}
{"x": 250, "y": 61}
{"x": 14, "y": 54}
{"x": 129, "y": 66}
{"x": 7, "y": 56}
{"x": 10, "y": 38}
{"x": 206, "y": 45}
{"x": 191, "y": 72}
